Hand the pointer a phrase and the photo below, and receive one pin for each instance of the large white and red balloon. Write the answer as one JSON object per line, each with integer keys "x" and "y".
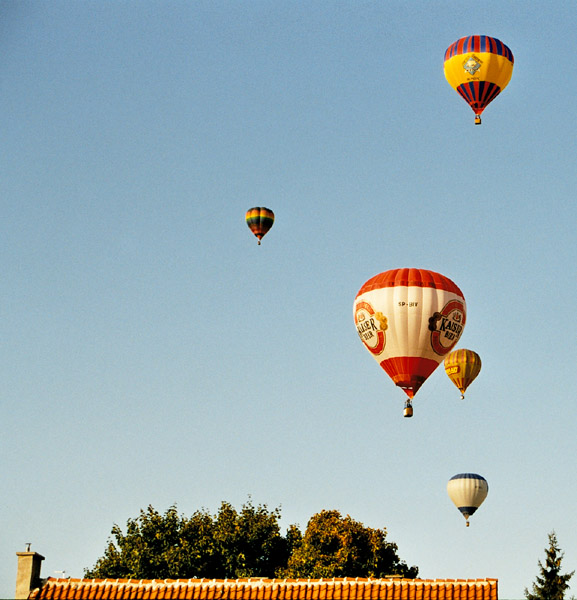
{"x": 409, "y": 319}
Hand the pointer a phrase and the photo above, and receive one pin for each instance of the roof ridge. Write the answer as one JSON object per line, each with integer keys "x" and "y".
{"x": 259, "y": 588}
{"x": 260, "y": 579}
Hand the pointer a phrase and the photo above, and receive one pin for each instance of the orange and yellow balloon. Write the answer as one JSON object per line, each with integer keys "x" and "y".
{"x": 260, "y": 220}
{"x": 479, "y": 68}
{"x": 462, "y": 367}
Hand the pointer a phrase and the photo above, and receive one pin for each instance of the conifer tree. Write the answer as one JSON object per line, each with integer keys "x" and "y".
{"x": 550, "y": 584}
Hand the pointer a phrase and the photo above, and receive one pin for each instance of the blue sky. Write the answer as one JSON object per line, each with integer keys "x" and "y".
{"x": 152, "y": 353}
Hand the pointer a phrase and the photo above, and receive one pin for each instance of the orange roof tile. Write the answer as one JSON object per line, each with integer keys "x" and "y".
{"x": 267, "y": 589}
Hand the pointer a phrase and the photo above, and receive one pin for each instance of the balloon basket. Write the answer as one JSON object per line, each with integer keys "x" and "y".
{"x": 408, "y": 412}
{"x": 477, "y": 120}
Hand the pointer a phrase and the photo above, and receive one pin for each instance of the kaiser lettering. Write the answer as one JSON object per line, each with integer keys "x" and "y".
{"x": 450, "y": 325}
{"x": 446, "y": 326}
{"x": 365, "y": 328}
{"x": 371, "y": 327}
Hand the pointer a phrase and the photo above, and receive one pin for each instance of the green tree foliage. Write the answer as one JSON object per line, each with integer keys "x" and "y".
{"x": 245, "y": 543}
{"x": 229, "y": 545}
{"x": 550, "y": 584}
{"x": 336, "y": 546}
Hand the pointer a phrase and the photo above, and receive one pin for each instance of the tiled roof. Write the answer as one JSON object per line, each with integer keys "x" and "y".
{"x": 265, "y": 589}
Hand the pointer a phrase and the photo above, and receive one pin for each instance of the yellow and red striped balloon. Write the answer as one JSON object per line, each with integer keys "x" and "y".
{"x": 462, "y": 367}
{"x": 260, "y": 220}
{"x": 479, "y": 68}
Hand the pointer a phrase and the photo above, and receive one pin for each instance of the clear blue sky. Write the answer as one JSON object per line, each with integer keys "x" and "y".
{"x": 152, "y": 353}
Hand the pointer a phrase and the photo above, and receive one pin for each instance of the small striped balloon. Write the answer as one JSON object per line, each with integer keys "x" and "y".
{"x": 462, "y": 367}
{"x": 260, "y": 220}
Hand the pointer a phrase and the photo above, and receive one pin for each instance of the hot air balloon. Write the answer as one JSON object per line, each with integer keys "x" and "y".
{"x": 462, "y": 366}
{"x": 479, "y": 68}
{"x": 260, "y": 220}
{"x": 467, "y": 491}
{"x": 409, "y": 319}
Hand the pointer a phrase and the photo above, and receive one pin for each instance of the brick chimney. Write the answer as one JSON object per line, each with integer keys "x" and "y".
{"x": 28, "y": 574}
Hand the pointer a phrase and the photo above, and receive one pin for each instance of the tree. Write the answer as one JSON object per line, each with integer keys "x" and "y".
{"x": 336, "y": 546}
{"x": 249, "y": 543}
{"x": 551, "y": 584}
{"x": 245, "y": 543}
{"x": 229, "y": 545}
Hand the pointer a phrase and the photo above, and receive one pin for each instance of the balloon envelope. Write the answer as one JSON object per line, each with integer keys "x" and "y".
{"x": 462, "y": 366}
{"x": 479, "y": 68}
{"x": 467, "y": 491}
{"x": 260, "y": 220}
{"x": 409, "y": 319}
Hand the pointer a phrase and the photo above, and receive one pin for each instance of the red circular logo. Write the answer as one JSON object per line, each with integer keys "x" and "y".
{"x": 370, "y": 327}
{"x": 446, "y": 326}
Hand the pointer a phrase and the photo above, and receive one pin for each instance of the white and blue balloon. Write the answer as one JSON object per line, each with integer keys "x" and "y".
{"x": 467, "y": 491}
